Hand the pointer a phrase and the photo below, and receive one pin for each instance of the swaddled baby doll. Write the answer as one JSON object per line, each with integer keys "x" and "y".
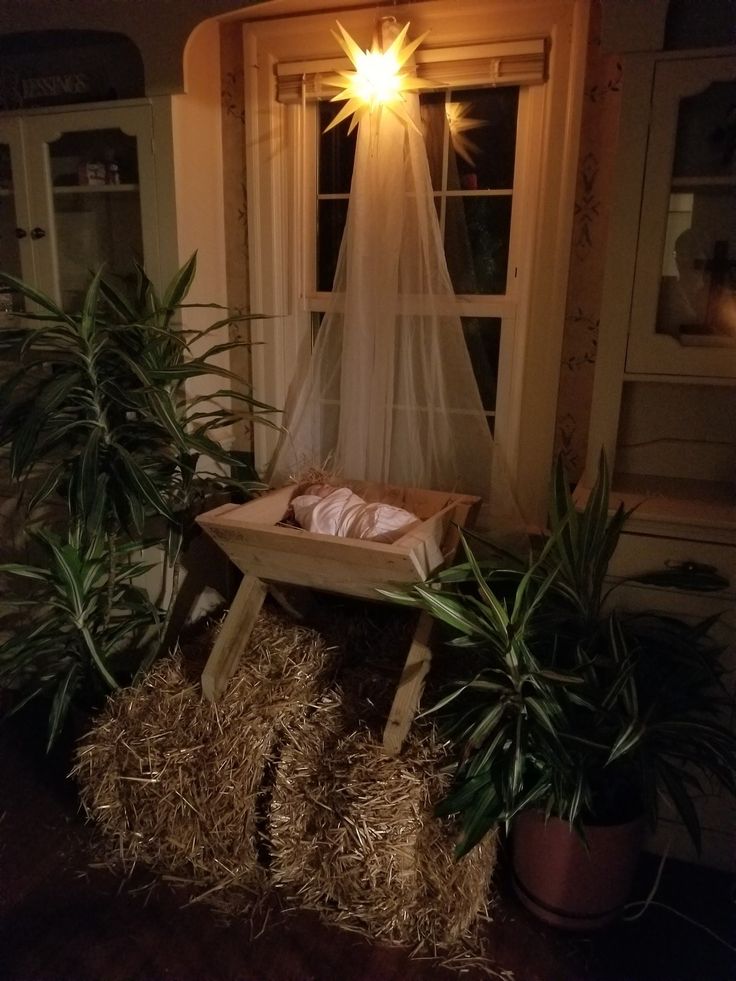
{"x": 337, "y": 511}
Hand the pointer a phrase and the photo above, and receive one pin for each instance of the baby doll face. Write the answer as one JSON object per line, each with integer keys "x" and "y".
{"x": 317, "y": 490}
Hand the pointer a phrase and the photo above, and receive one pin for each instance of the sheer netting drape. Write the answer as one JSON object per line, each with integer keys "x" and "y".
{"x": 388, "y": 393}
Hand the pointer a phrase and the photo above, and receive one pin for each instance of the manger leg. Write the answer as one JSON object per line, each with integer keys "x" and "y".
{"x": 411, "y": 685}
{"x": 233, "y": 637}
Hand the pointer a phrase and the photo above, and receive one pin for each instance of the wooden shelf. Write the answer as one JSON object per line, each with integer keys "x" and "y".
{"x": 678, "y": 500}
{"x": 693, "y": 183}
{"x": 96, "y": 189}
{"x": 645, "y": 377}
{"x": 700, "y": 509}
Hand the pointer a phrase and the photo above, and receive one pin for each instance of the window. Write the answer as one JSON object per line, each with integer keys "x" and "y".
{"x": 503, "y": 195}
{"x": 470, "y": 135}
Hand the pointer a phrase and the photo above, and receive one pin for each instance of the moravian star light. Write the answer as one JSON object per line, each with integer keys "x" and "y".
{"x": 378, "y": 80}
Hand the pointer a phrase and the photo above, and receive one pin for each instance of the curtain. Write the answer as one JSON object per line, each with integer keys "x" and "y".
{"x": 388, "y": 392}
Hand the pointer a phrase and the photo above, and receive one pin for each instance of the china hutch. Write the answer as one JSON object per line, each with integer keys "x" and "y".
{"x": 78, "y": 189}
{"x": 664, "y": 399}
{"x": 95, "y": 171}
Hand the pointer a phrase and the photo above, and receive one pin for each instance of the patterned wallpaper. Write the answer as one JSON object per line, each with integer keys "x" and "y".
{"x": 599, "y": 136}
{"x": 236, "y": 227}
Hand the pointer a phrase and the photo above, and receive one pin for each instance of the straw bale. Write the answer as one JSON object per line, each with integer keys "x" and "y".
{"x": 174, "y": 782}
{"x": 353, "y": 837}
{"x": 285, "y": 783}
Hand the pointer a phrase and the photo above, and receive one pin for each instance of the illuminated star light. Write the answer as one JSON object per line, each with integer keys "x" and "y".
{"x": 377, "y": 80}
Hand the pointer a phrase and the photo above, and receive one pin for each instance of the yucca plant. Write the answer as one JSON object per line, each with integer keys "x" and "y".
{"x": 567, "y": 703}
{"x": 507, "y": 714}
{"x": 101, "y": 436}
{"x": 86, "y": 612}
{"x": 103, "y": 392}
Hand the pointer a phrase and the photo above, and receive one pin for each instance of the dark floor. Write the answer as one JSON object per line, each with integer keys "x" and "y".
{"x": 62, "y": 920}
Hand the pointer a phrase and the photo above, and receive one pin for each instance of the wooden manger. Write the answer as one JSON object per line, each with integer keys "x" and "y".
{"x": 266, "y": 549}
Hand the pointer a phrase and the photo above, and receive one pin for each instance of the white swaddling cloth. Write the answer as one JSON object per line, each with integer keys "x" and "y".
{"x": 339, "y": 512}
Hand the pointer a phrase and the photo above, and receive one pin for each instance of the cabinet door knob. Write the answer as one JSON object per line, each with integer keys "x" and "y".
{"x": 20, "y": 233}
{"x": 38, "y": 233}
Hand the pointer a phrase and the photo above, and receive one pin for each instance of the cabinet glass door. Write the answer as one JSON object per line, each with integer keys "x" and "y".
{"x": 9, "y": 227}
{"x": 97, "y": 204}
{"x": 697, "y": 297}
{"x": 13, "y": 215}
{"x": 684, "y": 305}
{"x": 96, "y": 209}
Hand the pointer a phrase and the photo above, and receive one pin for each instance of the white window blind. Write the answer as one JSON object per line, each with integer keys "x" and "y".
{"x": 460, "y": 66}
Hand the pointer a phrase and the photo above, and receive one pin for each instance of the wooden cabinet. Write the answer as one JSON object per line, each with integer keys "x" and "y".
{"x": 664, "y": 402}
{"x": 78, "y": 191}
{"x": 160, "y": 158}
{"x": 664, "y": 399}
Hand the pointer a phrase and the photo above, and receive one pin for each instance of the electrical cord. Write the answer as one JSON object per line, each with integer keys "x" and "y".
{"x": 649, "y": 901}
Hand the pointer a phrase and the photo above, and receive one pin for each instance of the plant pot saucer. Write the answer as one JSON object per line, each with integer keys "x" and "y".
{"x": 571, "y": 883}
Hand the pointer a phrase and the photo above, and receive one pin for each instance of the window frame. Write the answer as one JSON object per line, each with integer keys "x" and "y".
{"x": 279, "y": 180}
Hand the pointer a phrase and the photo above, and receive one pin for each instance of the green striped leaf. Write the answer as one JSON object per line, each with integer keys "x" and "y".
{"x": 179, "y": 287}
{"x": 68, "y": 582}
{"x": 49, "y": 484}
{"x": 450, "y": 611}
{"x": 62, "y": 701}
{"x": 35, "y": 296}
{"x": 25, "y": 571}
{"x": 117, "y": 302}
{"x": 88, "y": 319}
{"x": 140, "y": 486}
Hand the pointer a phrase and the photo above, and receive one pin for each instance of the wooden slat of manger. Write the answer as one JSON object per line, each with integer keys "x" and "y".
{"x": 411, "y": 684}
{"x": 318, "y": 561}
{"x": 233, "y": 637}
{"x": 409, "y": 692}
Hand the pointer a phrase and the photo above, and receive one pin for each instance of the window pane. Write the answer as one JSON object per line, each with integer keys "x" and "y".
{"x": 482, "y": 138}
{"x": 705, "y": 133}
{"x": 477, "y": 233}
{"x": 470, "y": 136}
{"x": 331, "y": 217}
{"x": 483, "y": 338}
{"x": 434, "y": 124}
{"x": 336, "y": 151}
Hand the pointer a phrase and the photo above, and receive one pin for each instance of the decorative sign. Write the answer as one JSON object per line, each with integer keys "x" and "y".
{"x": 54, "y": 68}
{"x": 20, "y": 91}
{"x": 52, "y": 86}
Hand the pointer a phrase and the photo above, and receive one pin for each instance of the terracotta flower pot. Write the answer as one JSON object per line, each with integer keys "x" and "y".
{"x": 567, "y": 884}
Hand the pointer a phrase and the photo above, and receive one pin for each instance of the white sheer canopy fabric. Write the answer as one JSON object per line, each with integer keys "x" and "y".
{"x": 388, "y": 393}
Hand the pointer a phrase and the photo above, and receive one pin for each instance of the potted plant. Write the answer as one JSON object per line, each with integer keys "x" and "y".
{"x": 571, "y": 718}
{"x": 111, "y": 457}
